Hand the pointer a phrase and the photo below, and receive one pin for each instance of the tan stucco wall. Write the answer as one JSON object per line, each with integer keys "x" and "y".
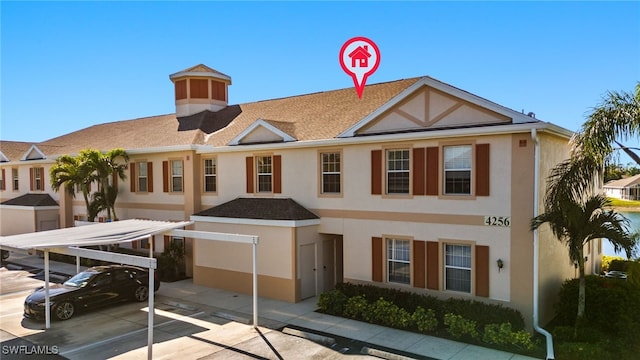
{"x": 17, "y": 220}
{"x": 555, "y": 265}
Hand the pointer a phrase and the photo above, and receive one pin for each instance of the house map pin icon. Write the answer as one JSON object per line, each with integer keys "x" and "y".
{"x": 359, "y": 58}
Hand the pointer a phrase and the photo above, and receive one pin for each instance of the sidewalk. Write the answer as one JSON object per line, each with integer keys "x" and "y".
{"x": 278, "y": 314}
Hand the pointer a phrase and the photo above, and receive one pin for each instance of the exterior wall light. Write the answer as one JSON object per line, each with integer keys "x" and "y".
{"x": 500, "y": 264}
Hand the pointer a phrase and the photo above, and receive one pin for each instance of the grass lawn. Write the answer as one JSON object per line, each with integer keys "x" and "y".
{"x": 625, "y": 203}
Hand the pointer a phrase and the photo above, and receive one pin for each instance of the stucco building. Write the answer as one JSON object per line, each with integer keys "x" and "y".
{"x": 419, "y": 185}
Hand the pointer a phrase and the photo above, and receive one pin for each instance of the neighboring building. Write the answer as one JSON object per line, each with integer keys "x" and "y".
{"x": 419, "y": 185}
{"x": 626, "y": 189}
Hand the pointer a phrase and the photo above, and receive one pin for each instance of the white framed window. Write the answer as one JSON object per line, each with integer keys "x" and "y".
{"x": 143, "y": 176}
{"x": 37, "y": 179}
{"x": 15, "y": 179}
{"x": 398, "y": 261}
{"x": 457, "y": 267}
{"x": 457, "y": 169}
{"x": 176, "y": 175}
{"x": 265, "y": 173}
{"x": 331, "y": 165}
{"x": 398, "y": 171}
{"x": 210, "y": 174}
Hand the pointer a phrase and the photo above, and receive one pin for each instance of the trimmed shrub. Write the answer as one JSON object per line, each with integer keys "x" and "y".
{"x": 458, "y": 326}
{"x": 357, "y": 307}
{"x": 332, "y": 302}
{"x": 424, "y": 320}
{"x": 484, "y": 314}
{"x": 611, "y": 307}
{"x": 386, "y": 313}
{"x": 501, "y": 335}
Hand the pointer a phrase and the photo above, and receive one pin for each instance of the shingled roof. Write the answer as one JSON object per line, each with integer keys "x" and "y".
{"x": 260, "y": 208}
{"x": 32, "y": 200}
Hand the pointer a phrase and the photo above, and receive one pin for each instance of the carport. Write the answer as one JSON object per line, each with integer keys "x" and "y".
{"x": 68, "y": 241}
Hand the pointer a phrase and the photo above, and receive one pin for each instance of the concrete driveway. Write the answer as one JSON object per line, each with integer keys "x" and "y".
{"x": 120, "y": 332}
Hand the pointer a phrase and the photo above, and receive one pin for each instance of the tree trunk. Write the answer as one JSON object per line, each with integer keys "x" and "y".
{"x": 581, "y": 293}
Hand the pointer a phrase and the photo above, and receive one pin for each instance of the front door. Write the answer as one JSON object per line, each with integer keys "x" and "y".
{"x": 328, "y": 264}
{"x": 308, "y": 270}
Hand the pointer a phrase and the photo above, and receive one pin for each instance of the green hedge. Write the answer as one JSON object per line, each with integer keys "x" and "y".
{"x": 467, "y": 320}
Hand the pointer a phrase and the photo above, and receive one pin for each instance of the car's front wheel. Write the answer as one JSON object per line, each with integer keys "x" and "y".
{"x": 141, "y": 293}
{"x": 65, "y": 310}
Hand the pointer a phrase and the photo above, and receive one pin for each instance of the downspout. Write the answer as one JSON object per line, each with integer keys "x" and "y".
{"x": 536, "y": 246}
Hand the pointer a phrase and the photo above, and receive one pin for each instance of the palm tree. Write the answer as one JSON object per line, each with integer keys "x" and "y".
{"x": 69, "y": 172}
{"x": 576, "y": 222}
{"x": 615, "y": 120}
{"x": 103, "y": 166}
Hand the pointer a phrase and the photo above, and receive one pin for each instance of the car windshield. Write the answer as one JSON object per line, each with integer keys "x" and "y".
{"x": 81, "y": 279}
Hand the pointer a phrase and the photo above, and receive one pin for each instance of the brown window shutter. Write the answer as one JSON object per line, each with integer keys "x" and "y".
{"x": 42, "y": 178}
{"x": 134, "y": 244}
{"x": 419, "y": 269}
{"x": 114, "y": 180}
{"x": 181, "y": 89}
{"x": 167, "y": 239}
{"x": 277, "y": 174}
{"x": 249, "y": 163}
{"x": 149, "y": 176}
{"x": 76, "y": 217}
{"x": 419, "y": 178}
{"x": 482, "y": 271}
{"x": 132, "y": 176}
{"x": 4, "y": 181}
{"x": 433, "y": 265}
{"x": 482, "y": 170}
{"x": 376, "y": 172}
{"x": 165, "y": 176}
{"x": 432, "y": 171}
{"x": 31, "y": 179}
{"x": 376, "y": 259}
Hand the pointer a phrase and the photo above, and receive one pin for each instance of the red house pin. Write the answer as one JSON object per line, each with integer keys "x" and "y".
{"x": 359, "y": 58}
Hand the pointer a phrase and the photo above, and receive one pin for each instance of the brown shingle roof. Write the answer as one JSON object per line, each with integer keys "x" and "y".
{"x": 260, "y": 208}
{"x": 14, "y": 150}
{"x": 316, "y": 116}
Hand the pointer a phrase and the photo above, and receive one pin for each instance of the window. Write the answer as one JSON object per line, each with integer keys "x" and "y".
{"x": 398, "y": 264}
{"x": 398, "y": 171}
{"x": 14, "y": 176}
{"x": 176, "y": 175}
{"x": 331, "y": 173}
{"x": 457, "y": 265}
{"x": 457, "y": 170}
{"x": 37, "y": 178}
{"x": 210, "y": 172}
{"x": 3, "y": 182}
{"x": 143, "y": 176}
{"x": 264, "y": 173}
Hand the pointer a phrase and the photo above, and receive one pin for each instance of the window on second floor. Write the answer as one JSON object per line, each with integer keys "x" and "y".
{"x": 3, "y": 180}
{"x": 398, "y": 171}
{"x": 176, "y": 175}
{"x": 143, "y": 176}
{"x": 15, "y": 178}
{"x": 37, "y": 178}
{"x": 331, "y": 164}
{"x": 457, "y": 169}
{"x": 265, "y": 174}
{"x": 210, "y": 175}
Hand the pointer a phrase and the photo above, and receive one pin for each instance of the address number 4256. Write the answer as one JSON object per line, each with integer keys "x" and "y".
{"x": 497, "y": 221}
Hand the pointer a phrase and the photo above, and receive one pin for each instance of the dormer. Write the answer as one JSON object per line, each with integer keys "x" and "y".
{"x": 200, "y": 88}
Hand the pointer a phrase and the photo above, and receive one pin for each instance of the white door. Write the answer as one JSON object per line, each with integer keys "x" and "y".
{"x": 308, "y": 270}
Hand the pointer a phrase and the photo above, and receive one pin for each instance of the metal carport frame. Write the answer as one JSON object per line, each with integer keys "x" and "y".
{"x": 65, "y": 241}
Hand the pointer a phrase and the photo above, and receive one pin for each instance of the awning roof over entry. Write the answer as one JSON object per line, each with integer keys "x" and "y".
{"x": 93, "y": 234}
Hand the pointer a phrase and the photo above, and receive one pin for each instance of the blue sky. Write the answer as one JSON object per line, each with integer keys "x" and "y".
{"x": 68, "y": 65}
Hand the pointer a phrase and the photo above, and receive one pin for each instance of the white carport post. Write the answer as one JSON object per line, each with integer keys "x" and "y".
{"x": 47, "y": 310}
{"x": 236, "y": 238}
{"x": 151, "y": 304}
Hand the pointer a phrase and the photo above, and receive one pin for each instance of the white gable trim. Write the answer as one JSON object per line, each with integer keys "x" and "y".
{"x": 3, "y": 157}
{"x": 33, "y": 148}
{"x": 260, "y": 122}
{"x": 517, "y": 117}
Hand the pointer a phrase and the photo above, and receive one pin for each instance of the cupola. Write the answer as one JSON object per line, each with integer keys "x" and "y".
{"x": 200, "y": 88}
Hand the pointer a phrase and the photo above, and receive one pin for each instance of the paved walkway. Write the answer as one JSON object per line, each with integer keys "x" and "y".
{"x": 277, "y": 314}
